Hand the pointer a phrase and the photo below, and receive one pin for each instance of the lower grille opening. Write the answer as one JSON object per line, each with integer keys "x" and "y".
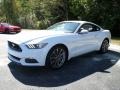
{"x": 28, "y": 60}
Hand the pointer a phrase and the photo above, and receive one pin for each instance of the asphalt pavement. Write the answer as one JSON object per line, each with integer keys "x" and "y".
{"x": 91, "y": 71}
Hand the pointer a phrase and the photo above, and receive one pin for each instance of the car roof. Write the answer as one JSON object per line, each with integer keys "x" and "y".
{"x": 82, "y": 22}
{"x": 78, "y": 21}
{"x": 4, "y": 23}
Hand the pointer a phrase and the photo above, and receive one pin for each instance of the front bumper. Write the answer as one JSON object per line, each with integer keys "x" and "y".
{"x": 15, "y": 31}
{"x": 28, "y": 57}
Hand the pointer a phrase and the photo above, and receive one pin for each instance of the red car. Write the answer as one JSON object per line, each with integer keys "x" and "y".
{"x": 7, "y": 28}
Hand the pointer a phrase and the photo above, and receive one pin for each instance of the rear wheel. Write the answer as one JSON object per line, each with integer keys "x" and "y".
{"x": 56, "y": 57}
{"x": 104, "y": 46}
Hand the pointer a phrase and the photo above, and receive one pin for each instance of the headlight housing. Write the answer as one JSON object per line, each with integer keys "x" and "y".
{"x": 36, "y": 46}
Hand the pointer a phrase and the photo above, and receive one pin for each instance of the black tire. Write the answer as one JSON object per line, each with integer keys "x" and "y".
{"x": 7, "y": 31}
{"x": 56, "y": 57}
{"x": 18, "y": 32}
{"x": 104, "y": 46}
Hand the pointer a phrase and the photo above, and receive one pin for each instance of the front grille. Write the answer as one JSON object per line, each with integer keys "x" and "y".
{"x": 28, "y": 60}
{"x": 14, "y": 46}
{"x": 16, "y": 28}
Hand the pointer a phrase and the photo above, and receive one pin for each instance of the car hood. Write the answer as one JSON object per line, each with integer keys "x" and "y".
{"x": 34, "y": 36}
{"x": 14, "y": 27}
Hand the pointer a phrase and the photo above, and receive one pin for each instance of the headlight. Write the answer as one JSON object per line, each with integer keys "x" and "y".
{"x": 36, "y": 46}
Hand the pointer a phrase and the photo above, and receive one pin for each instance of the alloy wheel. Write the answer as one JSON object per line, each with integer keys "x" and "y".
{"x": 57, "y": 57}
{"x": 105, "y": 46}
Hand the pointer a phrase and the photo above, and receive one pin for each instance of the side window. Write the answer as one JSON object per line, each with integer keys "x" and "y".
{"x": 88, "y": 27}
{"x": 0, "y": 25}
{"x": 95, "y": 28}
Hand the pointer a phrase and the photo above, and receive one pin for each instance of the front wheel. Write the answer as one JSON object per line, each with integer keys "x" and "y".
{"x": 104, "y": 46}
{"x": 7, "y": 31}
{"x": 56, "y": 57}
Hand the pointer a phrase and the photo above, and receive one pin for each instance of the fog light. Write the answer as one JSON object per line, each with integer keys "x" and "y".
{"x": 30, "y": 60}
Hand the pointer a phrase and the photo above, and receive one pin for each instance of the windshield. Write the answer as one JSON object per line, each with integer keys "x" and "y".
{"x": 64, "y": 26}
{"x": 5, "y": 24}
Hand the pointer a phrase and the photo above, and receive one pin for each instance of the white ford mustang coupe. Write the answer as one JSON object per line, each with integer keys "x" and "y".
{"x": 60, "y": 42}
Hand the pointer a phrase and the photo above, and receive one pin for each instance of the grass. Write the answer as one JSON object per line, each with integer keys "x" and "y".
{"x": 116, "y": 40}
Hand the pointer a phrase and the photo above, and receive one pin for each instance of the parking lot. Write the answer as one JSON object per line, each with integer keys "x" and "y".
{"x": 91, "y": 71}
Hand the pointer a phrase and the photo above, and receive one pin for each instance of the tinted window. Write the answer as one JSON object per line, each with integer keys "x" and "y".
{"x": 5, "y": 24}
{"x": 96, "y": 28}
{"x": 90, "y": 27}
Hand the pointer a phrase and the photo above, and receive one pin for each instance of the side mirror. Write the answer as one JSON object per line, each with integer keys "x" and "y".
{"x": 83, "y": 31}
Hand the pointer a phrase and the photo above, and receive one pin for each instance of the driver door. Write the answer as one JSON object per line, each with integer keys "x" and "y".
{"x": 86, "y": 41}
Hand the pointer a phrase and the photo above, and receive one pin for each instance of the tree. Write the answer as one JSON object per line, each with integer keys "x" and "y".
{"x": 9, "y": 9}
{"x": 40, "y": 14}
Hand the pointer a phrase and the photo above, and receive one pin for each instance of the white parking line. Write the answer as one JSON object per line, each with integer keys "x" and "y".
{"x": 114, "y": 47}
{"x": 118, "y": 63}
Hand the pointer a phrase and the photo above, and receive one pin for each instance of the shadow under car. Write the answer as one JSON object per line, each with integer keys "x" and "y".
{"x": 75, "y": 69}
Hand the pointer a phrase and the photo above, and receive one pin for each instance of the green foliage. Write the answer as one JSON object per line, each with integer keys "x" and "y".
{"x": 103, "y": 12}
{"x": 39, "y": 14}
{"x": 8, "y": 9}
